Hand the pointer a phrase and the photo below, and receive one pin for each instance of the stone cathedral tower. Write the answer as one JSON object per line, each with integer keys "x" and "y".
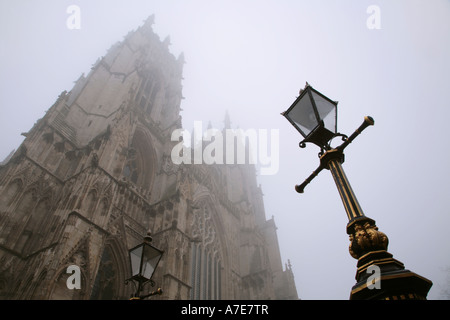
{"x": 94, "y": 175}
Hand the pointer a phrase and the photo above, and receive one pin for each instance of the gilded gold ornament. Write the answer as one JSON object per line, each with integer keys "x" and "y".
{"x": 366, "y": 238}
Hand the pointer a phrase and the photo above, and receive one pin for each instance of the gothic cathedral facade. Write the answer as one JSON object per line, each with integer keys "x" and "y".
{"x": 94, "y": 175}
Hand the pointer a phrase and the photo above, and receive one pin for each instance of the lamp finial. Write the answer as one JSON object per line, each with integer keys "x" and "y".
{"x": 148, "y": 238}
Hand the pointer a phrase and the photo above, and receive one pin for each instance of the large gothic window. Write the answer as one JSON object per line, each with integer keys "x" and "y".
{"x": 89, "y": 203}
{"x": 139, "y": 165}
{"x": 105, "y": 285}
{"x": 206, "y": 275}
{"x": 147, "y": 92}
{"x": 131, "y": 171}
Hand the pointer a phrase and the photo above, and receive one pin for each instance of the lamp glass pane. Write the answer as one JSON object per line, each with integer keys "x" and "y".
{"x": 135, "y": 256}
{"x": 302, "y": 114}
{"x": 327, "y": 111}
{"x": 149, "y": 261}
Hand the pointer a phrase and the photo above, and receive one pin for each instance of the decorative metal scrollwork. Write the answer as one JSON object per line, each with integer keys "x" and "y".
{"x": 327, "y": 146}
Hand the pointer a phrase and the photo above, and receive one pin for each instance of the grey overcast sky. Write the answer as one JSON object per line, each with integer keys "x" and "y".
{"x": 251, "y": 58}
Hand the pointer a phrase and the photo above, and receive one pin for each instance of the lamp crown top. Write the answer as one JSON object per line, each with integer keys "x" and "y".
{"x": 306, "y": 86}
{"x": 148, "y": 238}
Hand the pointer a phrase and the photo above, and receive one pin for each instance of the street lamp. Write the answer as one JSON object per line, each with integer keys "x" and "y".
{"x": 314, "y": 116}
{"x": 378, "y": 275}
{"x": 144, "y": 259}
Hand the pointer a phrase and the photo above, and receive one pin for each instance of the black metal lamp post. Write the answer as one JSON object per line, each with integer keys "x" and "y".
{"x": 315, "y": 117}
{"x": 144, "y": 259}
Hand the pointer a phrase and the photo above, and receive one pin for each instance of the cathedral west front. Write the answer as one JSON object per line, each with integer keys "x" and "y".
{"x": 96, "y": 173}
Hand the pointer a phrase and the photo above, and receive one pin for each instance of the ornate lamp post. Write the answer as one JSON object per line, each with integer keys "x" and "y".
{"x": 378, "y": 275}
{"x": 144, "y": 259}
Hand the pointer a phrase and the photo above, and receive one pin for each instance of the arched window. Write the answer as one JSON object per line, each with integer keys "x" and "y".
{"x": 103, "y": 206}
{"x": 147, "y": 92}
{"x": 131, "y": 171}
{"x": 139, "y": 165}
{"x": 206, "y": 276}
{"x": 105, "y": 285}
{"x": 109, "y": 283}
{"x": 89, "y": 203}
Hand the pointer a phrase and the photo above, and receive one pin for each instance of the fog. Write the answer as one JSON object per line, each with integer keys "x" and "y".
{"x": 386, "y": 59}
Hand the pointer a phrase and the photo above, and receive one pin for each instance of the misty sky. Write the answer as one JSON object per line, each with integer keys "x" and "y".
{"x": 251, "y": 58}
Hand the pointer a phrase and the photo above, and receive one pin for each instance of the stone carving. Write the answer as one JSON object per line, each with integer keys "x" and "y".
{"x": 366, "y": 238}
